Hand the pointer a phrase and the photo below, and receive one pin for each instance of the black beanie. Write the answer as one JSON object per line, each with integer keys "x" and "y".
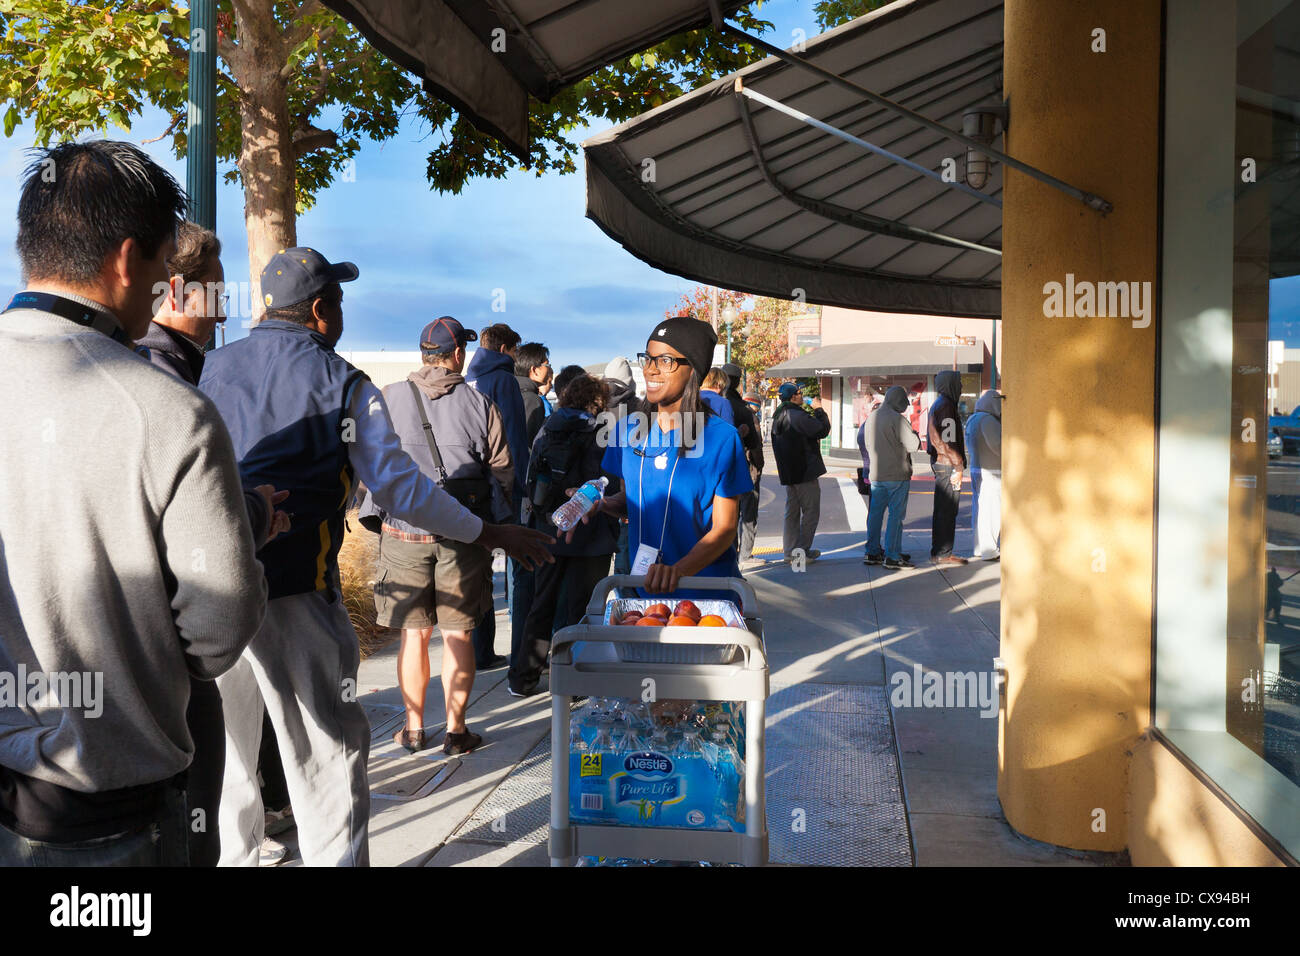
{"x": 693, "y": 338}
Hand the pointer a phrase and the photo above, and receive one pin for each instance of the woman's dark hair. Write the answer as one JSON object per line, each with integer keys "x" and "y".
{"x": 80, "y": 201}
{"x": 691, "y": 407}
{"x": 566, "y": 375}
{"x": 585, "y": 392}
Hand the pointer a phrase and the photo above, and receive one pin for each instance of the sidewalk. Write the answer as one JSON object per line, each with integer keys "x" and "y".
{"x": 852, "y": 778}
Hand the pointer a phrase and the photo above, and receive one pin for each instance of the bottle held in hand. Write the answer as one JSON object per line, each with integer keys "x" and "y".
{"x": 584, "y": 499}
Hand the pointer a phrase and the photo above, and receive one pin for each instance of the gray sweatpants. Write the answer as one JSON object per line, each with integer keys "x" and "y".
{"x": 803, "y": 509}
{"x": 303, "y": 664}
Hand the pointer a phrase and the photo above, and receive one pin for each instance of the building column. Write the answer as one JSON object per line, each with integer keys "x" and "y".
{"x": 1079, "y": 421}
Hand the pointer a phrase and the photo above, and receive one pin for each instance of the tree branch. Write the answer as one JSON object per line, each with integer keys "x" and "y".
{"x": 170, "y": 127}
{"x": 301, "y": 29}
{"x": 310, "y": 139}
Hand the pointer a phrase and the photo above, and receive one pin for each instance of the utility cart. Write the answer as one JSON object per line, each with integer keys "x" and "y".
{"x": 596, "y": 658}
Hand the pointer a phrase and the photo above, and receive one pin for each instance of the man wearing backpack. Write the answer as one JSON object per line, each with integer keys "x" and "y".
{"x": 456, "y": 436}
{"x": 565, "y": 455}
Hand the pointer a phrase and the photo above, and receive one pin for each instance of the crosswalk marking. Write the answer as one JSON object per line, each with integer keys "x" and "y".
{"x": 855, "y": 506}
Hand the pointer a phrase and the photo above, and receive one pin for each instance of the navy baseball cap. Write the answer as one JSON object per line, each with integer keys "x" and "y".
{"x": 297, "y": 274}
{"x": 787, "y": 391}
{"x": 445, "y": 334}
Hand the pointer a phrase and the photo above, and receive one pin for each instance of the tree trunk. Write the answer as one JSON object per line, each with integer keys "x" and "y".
{"x": 266, "y": 158}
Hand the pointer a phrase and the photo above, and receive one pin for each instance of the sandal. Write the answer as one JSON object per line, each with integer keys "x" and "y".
{"x": 412, "y": 740}
{"x": 455, "y": 744}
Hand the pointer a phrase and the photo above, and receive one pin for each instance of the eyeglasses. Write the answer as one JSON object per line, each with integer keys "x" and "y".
{"x": 666, "y": 363}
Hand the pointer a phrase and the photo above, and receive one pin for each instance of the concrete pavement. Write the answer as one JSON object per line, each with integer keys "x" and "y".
{"x": 882, "y": 773}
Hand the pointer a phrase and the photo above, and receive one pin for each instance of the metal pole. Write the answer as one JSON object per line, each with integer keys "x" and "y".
{"x": 201, "y": 149}
{"x": 858, "y": 141}
{"x": 1091, "y": 200}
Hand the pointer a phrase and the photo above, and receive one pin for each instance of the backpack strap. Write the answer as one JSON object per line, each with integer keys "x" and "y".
{"x": 428, "y": 432}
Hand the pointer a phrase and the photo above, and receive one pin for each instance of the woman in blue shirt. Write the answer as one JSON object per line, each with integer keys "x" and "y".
{"x": 683, "y": 468}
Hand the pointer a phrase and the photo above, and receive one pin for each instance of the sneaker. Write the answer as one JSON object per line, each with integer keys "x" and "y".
{"x": 522, "y": 693}
{"x": 492, "y": 664}
{"x": 272, "y": 853}
{"x": 903, "y": 562}
{"x": 813, "y": 554}
{"x": 278, "y": 821}
{"x": 412, "y": 740}
{"x": 873, "y": 559}
{"x": 948, "y": 561}
{"x": 455, "y": 744}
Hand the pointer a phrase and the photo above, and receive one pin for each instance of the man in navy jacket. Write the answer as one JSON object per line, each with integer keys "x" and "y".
{"x": 491, "y": 371}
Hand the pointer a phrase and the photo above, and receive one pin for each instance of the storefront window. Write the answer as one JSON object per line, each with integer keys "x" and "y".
{"x": 1228, "y": 523}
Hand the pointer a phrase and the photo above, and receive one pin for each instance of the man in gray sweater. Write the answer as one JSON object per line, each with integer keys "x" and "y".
{"x": 126, "y": 556}
{"x": 890, "y": 442}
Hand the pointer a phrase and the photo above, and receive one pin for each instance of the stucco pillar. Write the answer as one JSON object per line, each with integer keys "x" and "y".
{"x": 1079, "y": 420}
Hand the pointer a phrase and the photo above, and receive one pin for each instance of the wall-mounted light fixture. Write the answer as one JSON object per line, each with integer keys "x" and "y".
{"x": 982, "y": 125}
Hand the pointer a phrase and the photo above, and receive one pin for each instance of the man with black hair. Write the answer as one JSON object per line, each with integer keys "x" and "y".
{"x": 304, "y": 419}
{"x": 127, "y": 559}
{"x": 533, "y": 372}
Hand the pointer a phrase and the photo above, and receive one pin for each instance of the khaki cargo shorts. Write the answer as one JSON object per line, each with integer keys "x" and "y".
{"x": 444, "y": 584}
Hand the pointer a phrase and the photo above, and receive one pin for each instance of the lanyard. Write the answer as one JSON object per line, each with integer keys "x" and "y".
{"x": 72, "y": 311}
{"x": 640, "y": 488}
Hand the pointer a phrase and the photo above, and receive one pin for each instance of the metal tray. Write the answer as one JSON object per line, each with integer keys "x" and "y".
{"x": 676, "y": 653}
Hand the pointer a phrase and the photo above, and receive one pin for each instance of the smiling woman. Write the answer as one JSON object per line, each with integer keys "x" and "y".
{"x": 682, "y": 474}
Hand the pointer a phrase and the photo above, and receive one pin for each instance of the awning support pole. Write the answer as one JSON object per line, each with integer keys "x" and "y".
{"x": 834, "y": 211}
{"x": 1091, "y": 200}
{"x": 856, "y": 141}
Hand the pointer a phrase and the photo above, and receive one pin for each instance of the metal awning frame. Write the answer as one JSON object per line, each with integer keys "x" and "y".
{"x": 1091, "y": 200}
{"x": 834, "y": 211}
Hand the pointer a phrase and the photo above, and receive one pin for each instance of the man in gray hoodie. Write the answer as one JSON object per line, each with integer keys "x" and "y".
{"x": 890, "y": 442}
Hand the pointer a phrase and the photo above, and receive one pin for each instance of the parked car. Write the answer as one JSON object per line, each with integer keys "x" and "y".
{"x": 1287, "y": 428}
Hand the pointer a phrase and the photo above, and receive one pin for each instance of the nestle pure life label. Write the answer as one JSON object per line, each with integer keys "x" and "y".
{"x": 647, "y": 789}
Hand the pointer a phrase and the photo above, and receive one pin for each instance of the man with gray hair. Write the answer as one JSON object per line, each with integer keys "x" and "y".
{"x": 126, "y": 548}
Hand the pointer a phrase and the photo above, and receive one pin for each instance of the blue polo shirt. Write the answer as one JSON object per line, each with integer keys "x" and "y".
{"x": 648, "y": 464}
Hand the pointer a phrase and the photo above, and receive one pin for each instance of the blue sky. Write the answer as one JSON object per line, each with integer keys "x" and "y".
{"x": 422, "y": 255}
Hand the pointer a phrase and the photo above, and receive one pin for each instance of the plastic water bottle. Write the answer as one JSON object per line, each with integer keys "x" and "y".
{"x": 603, "y": 741}
{"x": 690, "y": 745}
{"x": 577, "y": 742}
{"x": 584, "y": 499}
{"x": 627, "y": 739}
{"x": 730, "y": 772}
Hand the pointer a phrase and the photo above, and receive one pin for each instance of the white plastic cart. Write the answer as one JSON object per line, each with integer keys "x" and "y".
{"x": 586, "y": 661}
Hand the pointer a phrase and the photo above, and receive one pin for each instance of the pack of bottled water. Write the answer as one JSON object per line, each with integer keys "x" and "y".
{"x": 666, "y": 763}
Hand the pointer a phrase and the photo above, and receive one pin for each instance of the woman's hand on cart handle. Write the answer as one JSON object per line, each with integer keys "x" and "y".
{"x": 662, "y": 578}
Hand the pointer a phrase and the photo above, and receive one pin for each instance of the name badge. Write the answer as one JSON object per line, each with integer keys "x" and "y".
{"x": 645, "y": 556}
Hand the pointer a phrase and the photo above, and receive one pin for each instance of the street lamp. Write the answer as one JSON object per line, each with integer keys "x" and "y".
{"x": 729, "y": 314}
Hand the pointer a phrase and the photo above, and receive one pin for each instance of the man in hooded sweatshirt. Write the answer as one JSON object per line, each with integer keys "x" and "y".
{"x": 947, "y": 448}
{"x": 984, "y": 442}
{"x": 889, "y": 442}
{"x": 491, "y": 371}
